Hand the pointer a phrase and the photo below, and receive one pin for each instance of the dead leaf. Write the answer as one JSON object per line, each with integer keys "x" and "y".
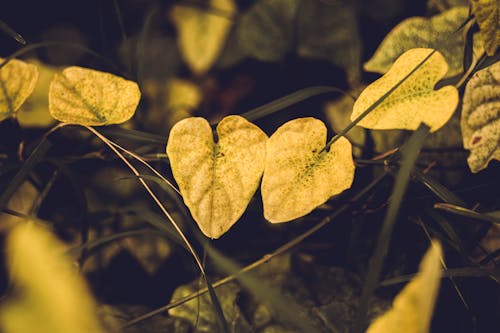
{"x": 17, "y": 82}
{"x": 202, "y": 31}
{"x": 480, "y": 121}
{"x": 92, "y": 98}
{"x": 299, "y": 174}
{"x": 217, "y": 179}
{"x": 412, "y": 309}
{"x": 415, "y": 100}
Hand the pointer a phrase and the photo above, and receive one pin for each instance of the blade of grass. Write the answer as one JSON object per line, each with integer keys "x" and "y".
{"x": 437, "y": 188}
{"x": 288, "y": 100}
{"x": 461, "y": 211}
{"x": 409, "y": 153}
{"x": 12, "y": 33}
{"x": 134, "y": 135}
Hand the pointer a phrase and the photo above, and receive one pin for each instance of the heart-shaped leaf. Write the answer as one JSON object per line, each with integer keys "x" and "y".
{"x": 217, "y": 179}
{"x": 50, "y": 295}
{"x": 17, "y": 82}
{"x": 202, "y": 31}
{"x": 487, "y": 13}
{"x": 481, "y": 117}
{"x": 300, "y": 174}
{"x": 88, "y": 97}
{"x": 437, "y": 32}
{"x": 414, "y": 100}
{"x": 412, "y": 308}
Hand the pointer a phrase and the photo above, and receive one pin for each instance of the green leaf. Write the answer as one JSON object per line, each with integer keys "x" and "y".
{"x": 487, "y": 13}
{"x": 17, "y": 82}
{"x": 436, "y": 32}
{"x": 202, "y": 32}
{"x": 481, "y": 117}
{"x": 217, "y": 179}
{"x": 414, "y": 100}
{"x": 300, "y": 174}
{"x": 265, "y": 31}
{"x": 328, "y": 30}
{"x": 412, "y": 309}
{"x": 92, "y": 98}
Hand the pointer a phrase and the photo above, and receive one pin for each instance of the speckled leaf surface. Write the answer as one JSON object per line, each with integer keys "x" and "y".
{"x": 17, "y": 81}
{"x": 436, "y": 32}
{"x": 217, "y": 179}
{"x": 480, "y": 120}
{"x": 412, "y": 309}
{"x": 487, "y": 13}
{"x": 202, "y": 32}
{"x": 299, "y": 174}
{"x": 88, "y": 97}
{"x": 412, "y": 102}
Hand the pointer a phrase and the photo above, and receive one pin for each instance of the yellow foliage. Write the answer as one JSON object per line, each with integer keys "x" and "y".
{"x": 51, "y": 297}
{"x": 412, "y": 309}
{"x": 17, "y": 82}
{"x": 415, "y": 100}
{"x": 88, "y": 97}
{"x": 299, "y": 174}
{"x": 217, "y": 180}
{"x": 35, "y": 111}
{"x": 202, "y": 32}
{"x": 487, "y": 13}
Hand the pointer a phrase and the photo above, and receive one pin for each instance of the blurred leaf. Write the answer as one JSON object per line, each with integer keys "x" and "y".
{"x": 487, "y": 13}
{"x": 300, "y": 174}
{"x": 338, "y": 114}
{"x": 436, "y": 32}
{"x": 382, "y": 10}
{"x": 329, "y": 30}
{"x": 415, "y": 100}
{"x": 22, "y": 201}
{"x": 202, "y": 32}
{"x": 481, "y": 117}
{"x": 92, "y": 98}
{"x": 265, "y": 31}
{"x": 35, "y": 111}
{"x": 443, "y": 5}
{"x": 17, "y": 82}
{"x": 217, "y": 179}
{"x": 51, "y": 297}
{"x": 413, "y": 306}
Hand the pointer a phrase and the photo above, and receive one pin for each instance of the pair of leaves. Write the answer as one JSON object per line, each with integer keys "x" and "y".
{"x": 480, "y": 120}
{"x": 51, "y": 297}
{"x": 218, "y": 179}
{"x": 412, "y": 308}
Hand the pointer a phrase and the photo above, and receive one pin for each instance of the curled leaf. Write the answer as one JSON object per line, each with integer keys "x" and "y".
{"x": 412, "y": 309}
{"x": 17, "y": 82}
{"x": 480, "y": 121}
{"x": 437, "y": 32}
{"x": 300, "y": 174}
{"x": 217, "y": 179}
{"x": 487, "y": 13}
{"x": 88, "y": 97}
{"x": 51, "y": 297}
{"x": 202, "y": 31}
{"x": 414, "y": 100}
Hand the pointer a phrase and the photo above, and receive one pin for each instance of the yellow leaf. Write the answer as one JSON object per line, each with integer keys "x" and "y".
{"x": 202, "y": 31}
{"x": 487, "y": 13}
{"x": 35, "y": 111}
{"x": 17, "y": 81}
{"x": 217, "y": 180}
{"x": 412, "y": 309}
{"x": 437, "y": 32}
{"x": 299, "y": 175}
{"x": 88, "y": 97}
{"x": 415, "y": 100}
{"x": 480, "y": 120}
{"x": 51, "y": 297}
